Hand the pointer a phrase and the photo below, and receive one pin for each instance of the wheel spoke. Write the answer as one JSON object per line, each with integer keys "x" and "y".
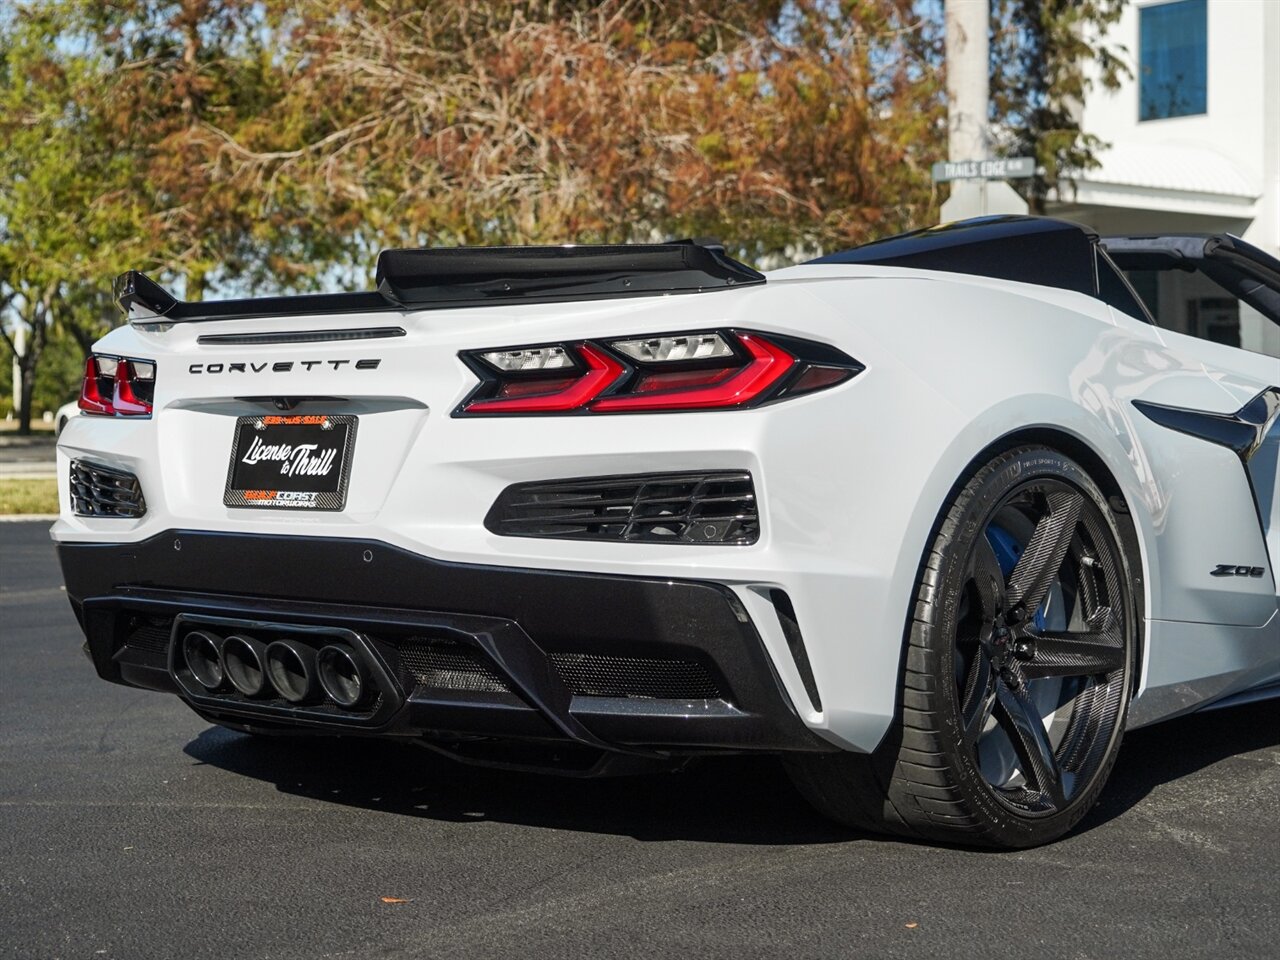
{"x": 1031, "y": 742}
{"x": 1097, "y": 651}
{"x": 1038, "y": 566}
{"x": 988, "y": 579}
{"x": 979, "y": 697}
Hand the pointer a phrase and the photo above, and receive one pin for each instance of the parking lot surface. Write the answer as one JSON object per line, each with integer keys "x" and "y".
{"x": 132, "y": 829}
{"x": 27, "y": 457}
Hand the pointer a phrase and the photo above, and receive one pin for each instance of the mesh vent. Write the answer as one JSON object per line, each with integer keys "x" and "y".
{"x": 150, "y": 637}
{"x": 657, "y": 507}
{"x": 444, "y": 665}
{"x": 591, "y": 675}
{"x": 102, "y": 492}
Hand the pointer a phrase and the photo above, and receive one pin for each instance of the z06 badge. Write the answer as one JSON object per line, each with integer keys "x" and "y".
{"x": 1234, "y": 570}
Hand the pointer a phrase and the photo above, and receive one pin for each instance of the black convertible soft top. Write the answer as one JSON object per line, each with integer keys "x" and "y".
{"x": 472, "y": 277}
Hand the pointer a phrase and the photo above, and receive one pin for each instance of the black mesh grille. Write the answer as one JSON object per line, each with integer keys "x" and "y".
{"x": 666, "y": 507}
{"x": 645, "y": 678}
{"x": 98, "y": 491}
{"x": 150, "y": 636}
{"x": 444, "y": 665}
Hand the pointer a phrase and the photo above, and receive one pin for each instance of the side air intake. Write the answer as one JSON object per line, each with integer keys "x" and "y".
{"x": 98, "y": 491}
{"x": 711, "y": 507}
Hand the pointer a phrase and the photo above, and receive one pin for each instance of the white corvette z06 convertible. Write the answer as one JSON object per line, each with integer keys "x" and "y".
{"x": 935, "y": 519}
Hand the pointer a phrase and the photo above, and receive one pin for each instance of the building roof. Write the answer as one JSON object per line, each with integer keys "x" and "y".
{"x": 1171, "y": 166}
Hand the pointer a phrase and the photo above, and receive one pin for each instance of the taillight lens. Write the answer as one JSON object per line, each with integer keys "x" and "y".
{"x": 117, "y": 386}
{"x": 712, "y": 370}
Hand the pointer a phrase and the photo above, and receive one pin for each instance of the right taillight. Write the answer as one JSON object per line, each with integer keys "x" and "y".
{"x": 706, "y": 370}
{"x": 117, "y": 386}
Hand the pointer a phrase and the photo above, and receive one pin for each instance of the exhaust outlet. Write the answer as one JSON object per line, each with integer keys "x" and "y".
{"x": 202, "y": 653}
{"x": 245, "y": 666}
{"x": 291, "y": 668}
{"x": 342, "y": 676}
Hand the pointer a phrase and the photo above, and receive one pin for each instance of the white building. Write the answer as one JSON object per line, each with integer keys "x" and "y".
{"x": 1195, "y": 147}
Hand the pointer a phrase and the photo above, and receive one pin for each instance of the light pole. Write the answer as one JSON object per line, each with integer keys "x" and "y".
{"x": 968, "y": 130}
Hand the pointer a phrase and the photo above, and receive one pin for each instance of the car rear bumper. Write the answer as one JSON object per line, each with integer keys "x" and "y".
{"x": 628, "y": 665}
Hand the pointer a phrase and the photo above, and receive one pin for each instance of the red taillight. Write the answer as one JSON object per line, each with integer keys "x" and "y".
{"x": 602, "y": 372}
{"x": 657, "y": 382}
{"x": 693, "y": 371}
{"x": 97, "y": 390}
{"x": 769, "y": 364}
{"x": 117, "y": 387}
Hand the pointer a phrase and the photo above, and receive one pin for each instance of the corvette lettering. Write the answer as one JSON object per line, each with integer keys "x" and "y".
{"x": 282, "y": 366}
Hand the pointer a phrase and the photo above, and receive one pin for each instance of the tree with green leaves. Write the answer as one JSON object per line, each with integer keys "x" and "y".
{"x": 777, "y": 125}
{"x": 270, "y": 145}
{"x": 66, "y": 219}
{"x": 1045, "y": 56}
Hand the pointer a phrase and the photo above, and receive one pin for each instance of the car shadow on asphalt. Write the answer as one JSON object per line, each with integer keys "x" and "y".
{"x": 721, "y": 800}
{"x": 1180, "y": 748}
{"x": 729, "y": 800}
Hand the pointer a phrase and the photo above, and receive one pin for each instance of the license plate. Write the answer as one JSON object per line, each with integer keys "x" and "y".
{"x": 296, "y": 462}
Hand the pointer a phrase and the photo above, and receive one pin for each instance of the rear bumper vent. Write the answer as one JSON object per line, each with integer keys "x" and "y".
{"x": 445, "y": 665}
{"x": 150, "y": 635}
{"x": 715, "y": 507}
{"x": 98, "y": 491}
{"x": 635, "y": 678}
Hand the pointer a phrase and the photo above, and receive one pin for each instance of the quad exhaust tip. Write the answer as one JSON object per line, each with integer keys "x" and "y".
{"x": 294, "y": 671}
{"x": 291, "y": 667}
{"x": 202, "y": 653}
{"x": 244, "y": 662}
{"x": 342, "y": 676}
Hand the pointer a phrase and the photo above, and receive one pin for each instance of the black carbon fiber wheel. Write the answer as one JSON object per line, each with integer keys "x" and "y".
{"x": 1018, "y": 668}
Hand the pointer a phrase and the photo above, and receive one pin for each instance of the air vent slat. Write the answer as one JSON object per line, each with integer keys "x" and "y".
{"x": 558, "y": 503}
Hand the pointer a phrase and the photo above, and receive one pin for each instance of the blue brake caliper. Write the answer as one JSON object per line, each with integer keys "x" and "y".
{"x": 1008, "y": 550}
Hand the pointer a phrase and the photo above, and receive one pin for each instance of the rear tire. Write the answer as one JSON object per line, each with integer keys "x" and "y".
{"x": 1018, "y": 668}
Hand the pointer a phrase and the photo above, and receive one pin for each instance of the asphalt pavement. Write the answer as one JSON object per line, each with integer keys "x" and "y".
{"x": 28, "y": 457}
{"x": 129, "y": 828}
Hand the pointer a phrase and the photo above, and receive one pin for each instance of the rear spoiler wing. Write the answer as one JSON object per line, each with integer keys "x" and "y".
{"x": 433, "y": 279}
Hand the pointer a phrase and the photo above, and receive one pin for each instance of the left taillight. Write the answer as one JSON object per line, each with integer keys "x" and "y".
{"x": 117, "y": 386}
{"x": 704, "y": 370}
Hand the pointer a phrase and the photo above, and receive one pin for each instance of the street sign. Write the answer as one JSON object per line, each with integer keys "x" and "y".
{"x": 996, "y": 168}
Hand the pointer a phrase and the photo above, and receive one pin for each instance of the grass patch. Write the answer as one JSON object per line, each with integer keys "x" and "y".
{"x": 28, "y": 496}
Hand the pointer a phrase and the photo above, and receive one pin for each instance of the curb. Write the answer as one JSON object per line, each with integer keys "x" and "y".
{"x": 27, "y": 517}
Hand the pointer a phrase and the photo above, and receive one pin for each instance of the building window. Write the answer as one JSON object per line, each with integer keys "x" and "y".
{"x": 1172, "y": 60}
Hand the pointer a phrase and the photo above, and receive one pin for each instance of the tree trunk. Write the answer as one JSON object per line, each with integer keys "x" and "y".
{"x": 83, "y": 338}
{"x": 28, "y": 389}
{"x": 34, "y": 314}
